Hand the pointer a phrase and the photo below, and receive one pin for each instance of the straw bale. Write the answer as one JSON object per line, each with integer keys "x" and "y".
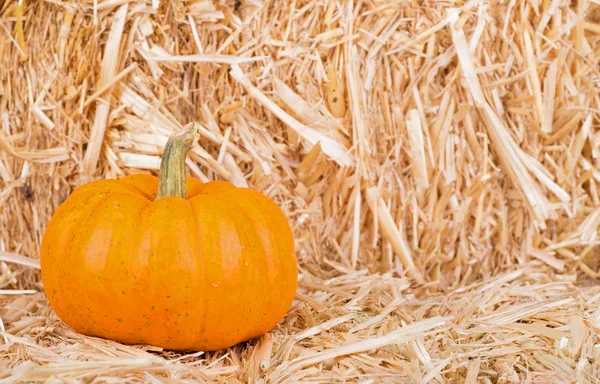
{"x": 439, "y": 163}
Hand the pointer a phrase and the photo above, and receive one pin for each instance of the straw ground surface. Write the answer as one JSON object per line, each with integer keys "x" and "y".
{"x": 439, "y": 162}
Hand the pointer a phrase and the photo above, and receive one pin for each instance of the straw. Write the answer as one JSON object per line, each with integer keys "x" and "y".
{"x": 439, "y": 164}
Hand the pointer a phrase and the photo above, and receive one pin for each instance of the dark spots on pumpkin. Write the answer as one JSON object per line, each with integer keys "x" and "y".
{"x": 119, "y": 320}
{"x": 153, "y": 308}
{"x": 123, "y": 291}
{"x": 335, "y": 99}
{"x": 187, "y": 314}
{"x": 169, "y": 296}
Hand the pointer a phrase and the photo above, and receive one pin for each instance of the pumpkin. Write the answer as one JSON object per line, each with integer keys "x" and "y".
{"x": 169, "y": 261}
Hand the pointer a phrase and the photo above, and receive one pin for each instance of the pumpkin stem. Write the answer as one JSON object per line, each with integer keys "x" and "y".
{"x": 171, "y": 181}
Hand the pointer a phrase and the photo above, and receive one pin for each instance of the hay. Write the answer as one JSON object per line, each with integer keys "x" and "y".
{"x": 439, "y": 163}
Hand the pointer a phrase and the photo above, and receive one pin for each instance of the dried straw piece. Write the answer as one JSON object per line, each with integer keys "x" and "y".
{"x": 110, "y": 83}
{"x": 19, "y": 259}
{"x": 310, "y": 332}
{"x": 110, "y": 63}
{"x": 205, "y": 58}
{"x": 266, "y": 348}
{"x": 307, "y": 114}
{"x": 391, "y": 232}
{"x": 8, "y": 292}
{"x": 578, "y": 144}
{"x": 334, "y": 91}
{"x": 20, "y": 37}
{"x": 330, "y": 147}
{"x": 535, "y": 79}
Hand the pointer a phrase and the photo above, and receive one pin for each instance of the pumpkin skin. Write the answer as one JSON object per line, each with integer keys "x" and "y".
{"x": 203, "y": 272}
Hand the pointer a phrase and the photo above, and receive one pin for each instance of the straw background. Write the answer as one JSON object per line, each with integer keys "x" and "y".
{"x": 439, "y": 163}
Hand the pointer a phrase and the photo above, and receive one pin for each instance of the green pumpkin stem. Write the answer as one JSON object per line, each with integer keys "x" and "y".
{"x": 171, "y": 181}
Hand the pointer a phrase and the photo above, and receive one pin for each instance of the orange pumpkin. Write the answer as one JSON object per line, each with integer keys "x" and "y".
{"x": 170, "y": 262}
